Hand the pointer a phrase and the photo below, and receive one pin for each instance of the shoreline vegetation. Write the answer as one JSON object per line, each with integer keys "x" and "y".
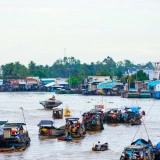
{"x": 70, "y": 69}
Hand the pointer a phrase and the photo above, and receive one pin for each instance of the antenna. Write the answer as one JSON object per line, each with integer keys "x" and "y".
{"x": 23, "y": 117}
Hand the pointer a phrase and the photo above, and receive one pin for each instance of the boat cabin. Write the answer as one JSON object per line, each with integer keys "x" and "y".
{"x": 1, "y": 128}
{"x": 57, "y": 113}
{"x": 46, "y": 129}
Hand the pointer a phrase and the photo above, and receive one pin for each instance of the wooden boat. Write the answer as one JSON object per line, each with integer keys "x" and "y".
{"x": 63, "y": 138}
{"x": 104, "y": 147}
{"x": 7, "y": 149}
{"x": 126, "y": 114}
{"x": 57, "y": 113}
{"x": 67, "y": 112}
{"x": 47, "y": 130}
{"x": 14, "y": 135}
{"x": 50, "y": 103}
{"x": 93, "y": 120}
{"x": 74, "y": 128}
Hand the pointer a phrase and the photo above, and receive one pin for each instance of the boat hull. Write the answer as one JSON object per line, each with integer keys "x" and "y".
{"x": 50, "y": 105}
{"x": 104, "y": 147}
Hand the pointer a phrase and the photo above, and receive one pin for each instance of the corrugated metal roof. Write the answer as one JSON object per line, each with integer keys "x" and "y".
{"x": 50, "y": 84}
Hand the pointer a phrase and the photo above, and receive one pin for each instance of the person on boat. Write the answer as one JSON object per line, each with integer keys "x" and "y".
{"x": 53, "y": 98}
{"x": 78, "y": 125}
{"x": 98, "y": 145}
{"x": 143, "y": 113}
{"x": 87, "y": 117}
{"x": 67, "y": 128}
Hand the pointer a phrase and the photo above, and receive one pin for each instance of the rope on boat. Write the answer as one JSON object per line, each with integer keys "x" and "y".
{"x": 150, "y": 108}
{"x": 143, "y": 121}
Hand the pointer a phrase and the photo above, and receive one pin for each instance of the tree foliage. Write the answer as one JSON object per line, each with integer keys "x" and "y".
{"x": 69, "y": 66}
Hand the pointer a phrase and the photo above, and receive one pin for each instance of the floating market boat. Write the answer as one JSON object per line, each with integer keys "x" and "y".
{"x": 93, "y": 120}
{"x": 126, "y": 114}
{"x": 104, "y": 147}
{"x": 74, "y": 128}
{"x": 13, "y": 135}
{"x": 138, "y": 150}
{"x": 67, "y": 112}
{"x": 57, "y": 113}
{"x": 50, "y": 103}
{"x": 47, "y": 130}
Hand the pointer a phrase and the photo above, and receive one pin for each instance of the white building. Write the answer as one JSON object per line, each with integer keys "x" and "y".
{"x": 149, "y": 72}
{"x": 98, "y": 78}
{"x": 156, "y": 70}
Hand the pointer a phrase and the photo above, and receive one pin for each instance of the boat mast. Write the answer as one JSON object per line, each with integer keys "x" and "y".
{"x": 23, "y": 117}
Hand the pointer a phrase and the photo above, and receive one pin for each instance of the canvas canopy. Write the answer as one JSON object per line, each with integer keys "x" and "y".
{"x": 132, "y": 108}
{"x": 45, "y": 122}
{"x": 14, "y": 124}
{"x": 72, "y": 119}
{"x": 50, "y": 84}
{"x": 3, "y": 122}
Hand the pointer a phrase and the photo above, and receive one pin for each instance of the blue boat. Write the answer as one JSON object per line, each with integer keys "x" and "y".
{"x": 156, "y": 94}
{"x": 138, "y": 150}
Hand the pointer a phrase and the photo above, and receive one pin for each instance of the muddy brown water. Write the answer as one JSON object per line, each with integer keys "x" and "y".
{"x": 117, "y": 135}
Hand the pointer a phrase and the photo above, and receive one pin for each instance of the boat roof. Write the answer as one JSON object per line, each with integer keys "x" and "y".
{"x": 134, "y": 147}
{"x": 133, "y": 108}
{"x": 13, "y": 124}
{"x": 72, "y": 119}
{"x": 57, "y": 109}
{"x": 45, "y": 122}
{"x": 3, "y": 122}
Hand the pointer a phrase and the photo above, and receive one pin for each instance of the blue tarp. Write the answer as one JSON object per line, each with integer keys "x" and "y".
{"x": 158, "y": 146}
{"x": 133, "y": 108}
{"x": 152, "y": 84}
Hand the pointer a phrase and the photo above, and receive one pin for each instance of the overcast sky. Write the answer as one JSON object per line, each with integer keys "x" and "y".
{"x": 90, "y": 30}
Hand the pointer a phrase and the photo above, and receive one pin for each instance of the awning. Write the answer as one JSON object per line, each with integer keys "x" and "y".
{"x": 2, "y": 122}
{"x": 72, "y": 119}
{"x": 45, "y": 122}
{"x": 50, "y": 84}
{"x": 22, "y": 82}
{"x": 62, "y": 82}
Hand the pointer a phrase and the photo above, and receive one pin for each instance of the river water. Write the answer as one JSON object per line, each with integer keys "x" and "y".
{"x": 117, "y": 135}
